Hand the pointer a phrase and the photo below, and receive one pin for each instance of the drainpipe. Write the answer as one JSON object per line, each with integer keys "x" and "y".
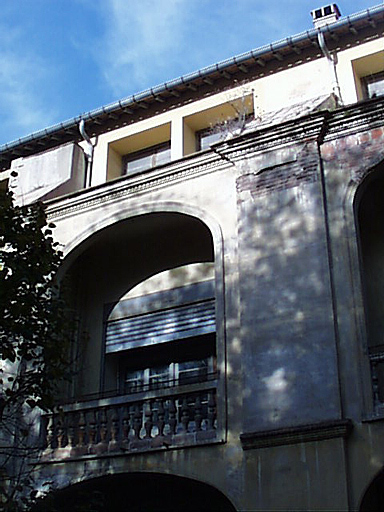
{"x": 89, "y": 149}
{"x": 332, "y": 60}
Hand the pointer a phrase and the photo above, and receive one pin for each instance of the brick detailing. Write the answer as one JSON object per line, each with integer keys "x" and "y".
{"x": 302, "y": 170}
{"x": 358, "y": 154}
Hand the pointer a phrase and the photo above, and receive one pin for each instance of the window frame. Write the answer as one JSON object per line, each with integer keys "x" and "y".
{"x": 154, "y": 154}
{"x": 173, "y": 370}
{"x": 374, "y": 78}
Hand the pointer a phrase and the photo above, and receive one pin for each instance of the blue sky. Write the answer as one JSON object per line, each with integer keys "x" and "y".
{"x": 60, "y": 58}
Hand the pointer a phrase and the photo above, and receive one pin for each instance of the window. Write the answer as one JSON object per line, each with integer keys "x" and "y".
{"x": 218, "y": 123}
{"x": 178, "y": 364}
{"x": 163, "y": 339}
{"x": 373, "y": 85}
{"x": 148, "y": 158}
{"x": 369, "y": 75}
{"x": 222, "y": 131}
{"x": 205, "y": 138}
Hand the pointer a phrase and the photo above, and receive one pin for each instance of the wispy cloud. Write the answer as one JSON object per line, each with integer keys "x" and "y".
{"x": 22, "y": 77}
{"x": 141, "y": 39}
{"x": 151, "y": 41}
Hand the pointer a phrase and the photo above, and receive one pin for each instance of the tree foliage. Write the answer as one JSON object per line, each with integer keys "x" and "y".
{"x": 35, "y": 325}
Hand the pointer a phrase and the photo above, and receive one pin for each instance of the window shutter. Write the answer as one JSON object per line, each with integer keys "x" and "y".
{"x": 161, "y": 325}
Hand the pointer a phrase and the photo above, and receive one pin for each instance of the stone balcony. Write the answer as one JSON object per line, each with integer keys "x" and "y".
{"x": 161, "y": 419}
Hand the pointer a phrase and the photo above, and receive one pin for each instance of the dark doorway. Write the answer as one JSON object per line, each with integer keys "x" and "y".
{"x": 373, "y": 498}
{"x": 137, "y": 492}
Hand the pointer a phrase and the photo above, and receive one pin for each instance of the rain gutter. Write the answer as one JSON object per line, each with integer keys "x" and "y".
{"x": 257, "y": 54}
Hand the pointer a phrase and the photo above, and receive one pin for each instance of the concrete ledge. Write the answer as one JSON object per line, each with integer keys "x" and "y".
{"x": 299, "y": 434}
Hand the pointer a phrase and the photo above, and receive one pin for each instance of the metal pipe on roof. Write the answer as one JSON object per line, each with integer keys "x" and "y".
{"x": 332, "y": 60}
{"x": 88, "y": 153}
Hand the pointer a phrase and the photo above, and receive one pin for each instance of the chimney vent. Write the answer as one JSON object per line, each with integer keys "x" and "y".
{"x": 325, "y": 15}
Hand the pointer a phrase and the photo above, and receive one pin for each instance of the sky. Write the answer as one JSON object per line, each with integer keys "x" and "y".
{"x": 62, "y": 58}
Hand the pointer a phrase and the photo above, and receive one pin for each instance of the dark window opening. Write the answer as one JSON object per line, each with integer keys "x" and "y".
{"x": 177, "y": 363}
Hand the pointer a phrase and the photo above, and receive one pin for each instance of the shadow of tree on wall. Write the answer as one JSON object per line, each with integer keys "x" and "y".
{"x": 286, "y": 304}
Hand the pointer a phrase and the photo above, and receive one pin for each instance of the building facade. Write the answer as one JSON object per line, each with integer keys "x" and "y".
{"x": 223, "y": 236}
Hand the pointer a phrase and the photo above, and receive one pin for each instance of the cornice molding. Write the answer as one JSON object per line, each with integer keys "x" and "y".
{"x": 359, "y": 117}
{"x": 300, "y": 434}
{"x": 303, "y": 129}
{"x": 112, "y": 192}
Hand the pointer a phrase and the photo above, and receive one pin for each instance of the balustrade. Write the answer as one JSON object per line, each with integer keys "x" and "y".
{"x": 112, "y": 425}
{"x": 377, "y": 373}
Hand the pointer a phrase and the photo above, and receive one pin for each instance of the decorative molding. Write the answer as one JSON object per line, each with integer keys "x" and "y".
{"x": 111, "y": 192}
{"x": 300, "y": 434}
{"x": 303, "y": 129}
{"x": 363, "y": 116}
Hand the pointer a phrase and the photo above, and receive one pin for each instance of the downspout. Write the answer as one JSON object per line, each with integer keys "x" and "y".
{"x": 89, "y": 149}
{"x": 332, "y": 61}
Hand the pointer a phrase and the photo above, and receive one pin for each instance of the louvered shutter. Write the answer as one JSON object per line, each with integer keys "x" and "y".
{"x": 150, "y": 324}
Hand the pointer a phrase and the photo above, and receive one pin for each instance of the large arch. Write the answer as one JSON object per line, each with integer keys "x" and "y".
{"x": 135, "y": 492}
{"x": 83, "y": 238}
{"x": 112, "y": 261}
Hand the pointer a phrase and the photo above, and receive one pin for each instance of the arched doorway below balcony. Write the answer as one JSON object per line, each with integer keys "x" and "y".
{"x": 135, "y": 492}
{"x": 373, "y": 498}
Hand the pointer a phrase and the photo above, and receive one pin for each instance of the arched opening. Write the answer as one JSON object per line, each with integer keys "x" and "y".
{"x": 373, "y": 498}
{"x": 115, "y": 261}
{"x": 370, "y": 219}
{"x": 149, "y": 492}
{"x": 146, "y": 370}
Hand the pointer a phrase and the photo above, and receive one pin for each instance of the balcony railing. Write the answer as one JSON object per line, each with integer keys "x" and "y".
{"x": 161, "y": 419}
{"x": 377, "y": 372}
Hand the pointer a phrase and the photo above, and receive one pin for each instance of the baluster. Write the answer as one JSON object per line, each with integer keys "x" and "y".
{"x": 375, "y": 383}
{"x": 60, "y": 433}
{"x": 148, "y": 419}
{"x": 185, "y": 414}
{"x": 82, "y": 427}
{"x": 92, "y": 429}
{"x": 71, "y": 430}
{"x": 126, "y": 425}
{"x": 198, "y": 417}
{"x": 137, "y": 421}
{"x": 114, "y": 427}
{"x": 132, "y": 410}
{"x": 211, "y": 411}
{"x": 172, "y": 415}
{"x": 160, "y": 418}
{"x": 50, "y": 432}
{"x": 103, "y": 425}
